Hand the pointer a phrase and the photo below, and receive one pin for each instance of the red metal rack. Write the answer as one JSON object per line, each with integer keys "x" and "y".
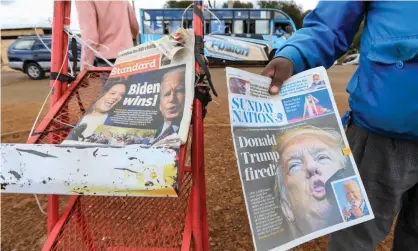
{"x": 115, "y": 223}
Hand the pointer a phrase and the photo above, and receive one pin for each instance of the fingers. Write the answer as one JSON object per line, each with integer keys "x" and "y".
{"x": 279, "y": 69}
{"x": 275, "y": 87}
{"x": 270, "y": 72}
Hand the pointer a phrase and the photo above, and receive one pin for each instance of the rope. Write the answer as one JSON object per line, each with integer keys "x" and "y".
{"x": 205, "y": 9}
{"x": 210, "y": 12}
{"x": 42, "y": 41}
{"x": 81, "y": 41}
{"x": 184, "y": 12}
{"x": 45, "y": 101}
{"x": 39, "y": 205}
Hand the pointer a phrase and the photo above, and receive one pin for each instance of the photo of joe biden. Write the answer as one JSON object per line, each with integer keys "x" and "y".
{"x": 171, "y": 103}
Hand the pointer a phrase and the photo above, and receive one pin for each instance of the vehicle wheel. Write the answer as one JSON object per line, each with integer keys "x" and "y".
{"x": 34, "y": 71}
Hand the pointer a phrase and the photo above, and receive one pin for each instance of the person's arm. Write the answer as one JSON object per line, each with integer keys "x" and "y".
{"x": 133, "y": 21}
{"x": 326, "y": 35}
{"x": 88, "y": 26}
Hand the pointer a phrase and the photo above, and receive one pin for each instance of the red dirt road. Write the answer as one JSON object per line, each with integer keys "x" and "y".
{"x": 23, "y": 226}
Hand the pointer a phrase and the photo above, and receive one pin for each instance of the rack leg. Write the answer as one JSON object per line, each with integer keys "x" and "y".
{"x": 56, "y": 60}
{"x": 197, "y": 162}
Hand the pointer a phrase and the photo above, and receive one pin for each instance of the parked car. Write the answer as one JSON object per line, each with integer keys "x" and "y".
{"x": 352, "y": 60}
{"x": 29, "y": 55}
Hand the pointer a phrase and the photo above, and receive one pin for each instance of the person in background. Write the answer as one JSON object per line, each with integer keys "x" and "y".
{"x": 279, "y": 31}
{"x": 382, "y": 126}
{"x": 289, "y": 29}
{"x": 108, "y": 27}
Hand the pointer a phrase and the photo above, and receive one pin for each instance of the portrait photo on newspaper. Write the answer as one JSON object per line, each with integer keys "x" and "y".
{"x": 288, "y": 175}
{"x": 311, "y": 159}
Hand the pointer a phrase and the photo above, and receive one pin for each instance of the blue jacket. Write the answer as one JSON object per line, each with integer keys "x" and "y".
{"x": 384, "y": 89}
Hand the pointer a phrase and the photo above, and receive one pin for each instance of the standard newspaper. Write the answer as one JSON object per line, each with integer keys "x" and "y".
{"x": 127, "y": 142}
{"x": 147, "y": 99}
{"x": 299, "y": 178}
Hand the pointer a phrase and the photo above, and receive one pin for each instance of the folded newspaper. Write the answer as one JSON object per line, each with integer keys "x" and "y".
{"x": 127, "y": 141}
{"x": 299, "y": 178}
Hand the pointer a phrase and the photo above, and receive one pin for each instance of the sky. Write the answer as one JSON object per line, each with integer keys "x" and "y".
{"x": 31, "y": 13}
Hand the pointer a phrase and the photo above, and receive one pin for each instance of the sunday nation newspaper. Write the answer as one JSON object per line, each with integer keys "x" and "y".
{"x": 299, "y": 177}
{"x": 127, "y": 141}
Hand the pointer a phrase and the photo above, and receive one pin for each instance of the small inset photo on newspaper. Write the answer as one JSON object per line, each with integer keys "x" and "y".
{"x": 316, "y": 82}
{"x": 307, "y": 106}
{"x": 238, "y": 85}
{"x": 309, "y": 82}
{"x": 111, "y": 135}
{"x": 351, "y": 199}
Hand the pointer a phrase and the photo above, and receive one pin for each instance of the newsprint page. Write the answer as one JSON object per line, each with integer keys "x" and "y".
{"x": 127, "y": 141}
{"x": 299, "y": 177}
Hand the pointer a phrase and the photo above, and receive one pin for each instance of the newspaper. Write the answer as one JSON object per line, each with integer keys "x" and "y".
{"x": 127, "y": 142}
{"x": 147, "y": 99}
{"x": 299, "y": 178}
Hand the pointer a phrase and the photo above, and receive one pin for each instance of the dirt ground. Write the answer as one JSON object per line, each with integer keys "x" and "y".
{"x": 24, "y": 226}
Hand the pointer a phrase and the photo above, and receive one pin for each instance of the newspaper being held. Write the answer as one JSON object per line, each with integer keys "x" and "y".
{"x": 126, "y": 142}
{"x": 299, "y": 177}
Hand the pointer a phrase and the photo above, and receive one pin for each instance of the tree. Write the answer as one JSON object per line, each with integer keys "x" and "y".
{"x": 177, "y": 4}
{"x": 305, "y": 14}
{"x": 239, "y": 4}
{"x": 291, "y": 8}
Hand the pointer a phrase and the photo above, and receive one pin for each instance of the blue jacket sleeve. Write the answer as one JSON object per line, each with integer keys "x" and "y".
{"x": 326, "y": 35}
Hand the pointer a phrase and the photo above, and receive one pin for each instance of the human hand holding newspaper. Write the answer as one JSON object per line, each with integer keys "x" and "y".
{"x": 279, "y": 70}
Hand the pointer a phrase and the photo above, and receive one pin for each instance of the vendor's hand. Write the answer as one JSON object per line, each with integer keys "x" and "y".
{"x": 279, "y": 70}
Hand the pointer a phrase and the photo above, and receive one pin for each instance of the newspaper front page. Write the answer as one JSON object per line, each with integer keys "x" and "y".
{"x": 127, "y": 141}
{"x": 299, "y": 178}
{"x": 146, "y": 100}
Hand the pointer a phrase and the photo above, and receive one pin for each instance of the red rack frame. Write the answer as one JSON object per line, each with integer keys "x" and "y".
{"x": 86, "y": 217}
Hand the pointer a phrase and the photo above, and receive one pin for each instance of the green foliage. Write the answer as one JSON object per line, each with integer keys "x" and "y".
{"x": 239, "y": 4}
{"x": 269, "y": 4}
{"x": 304, "y": 14}
{"x": 291, "y": 8}
{"x": 177, "y": 4}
